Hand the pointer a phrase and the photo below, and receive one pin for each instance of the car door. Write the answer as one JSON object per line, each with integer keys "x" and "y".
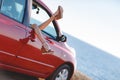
{"x": 11, "y": 30}
{"x": 30, "y": 57}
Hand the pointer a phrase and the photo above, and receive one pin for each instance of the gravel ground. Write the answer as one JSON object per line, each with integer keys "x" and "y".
{"x": 7, "y": 75}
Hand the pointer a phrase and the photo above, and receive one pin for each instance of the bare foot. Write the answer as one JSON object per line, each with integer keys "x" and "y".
{"x": 59, "y": 13}
{"x": 46, "y": 52}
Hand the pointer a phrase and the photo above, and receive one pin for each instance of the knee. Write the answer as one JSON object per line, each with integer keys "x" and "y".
{"x": 34, "y": 26}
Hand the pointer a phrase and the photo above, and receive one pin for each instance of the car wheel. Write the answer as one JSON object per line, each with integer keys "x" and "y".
{"x": 62, "y": 73}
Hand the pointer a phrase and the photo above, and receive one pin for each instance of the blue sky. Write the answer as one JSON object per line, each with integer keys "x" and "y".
{"x": 96, "y": 22}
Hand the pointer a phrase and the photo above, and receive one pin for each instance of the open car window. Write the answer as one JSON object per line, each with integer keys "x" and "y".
{"x": 38, "y": 16}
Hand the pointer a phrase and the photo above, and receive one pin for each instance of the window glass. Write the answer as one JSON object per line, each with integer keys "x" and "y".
{"x": 13, "y": 9}
{"x": 38, "y": 16}
{"x": 0, "y": 2}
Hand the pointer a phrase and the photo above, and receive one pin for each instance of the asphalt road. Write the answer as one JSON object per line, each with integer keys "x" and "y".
{"x": 7, "y": 75}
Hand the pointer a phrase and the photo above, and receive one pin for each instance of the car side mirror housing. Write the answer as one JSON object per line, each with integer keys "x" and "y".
{"x": 62, "y": 38}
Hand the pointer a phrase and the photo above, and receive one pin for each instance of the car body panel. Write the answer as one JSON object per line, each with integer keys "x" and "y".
{"x": 10, "y": 35}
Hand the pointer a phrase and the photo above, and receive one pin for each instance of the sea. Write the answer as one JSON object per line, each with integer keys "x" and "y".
{"x": 94, "y": 62}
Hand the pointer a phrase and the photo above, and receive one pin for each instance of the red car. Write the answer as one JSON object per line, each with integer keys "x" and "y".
{"x": 20, "y": 48}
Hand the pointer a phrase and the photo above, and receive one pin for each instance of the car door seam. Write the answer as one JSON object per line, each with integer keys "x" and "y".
{"x": 34, "y": 61}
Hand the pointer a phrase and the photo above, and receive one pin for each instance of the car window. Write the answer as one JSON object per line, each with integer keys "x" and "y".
{"x": 13, "y": 9}
{"x": 38, "y": 16}
{"x": 0, "y": 3}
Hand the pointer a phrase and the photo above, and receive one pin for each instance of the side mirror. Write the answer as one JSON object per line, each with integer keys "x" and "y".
{"x": 34, "y": 6}
{"x": 62, "y": 38}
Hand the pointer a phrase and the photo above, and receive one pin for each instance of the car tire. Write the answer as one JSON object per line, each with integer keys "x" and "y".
{"x": 62, "y": 73}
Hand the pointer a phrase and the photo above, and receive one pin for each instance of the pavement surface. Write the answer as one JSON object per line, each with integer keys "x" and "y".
{"x": 7, "y": 75}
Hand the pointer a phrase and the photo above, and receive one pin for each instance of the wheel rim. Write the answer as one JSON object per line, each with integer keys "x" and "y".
{"x": 62, "y": 75}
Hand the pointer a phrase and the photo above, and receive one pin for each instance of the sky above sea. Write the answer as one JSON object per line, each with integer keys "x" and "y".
{"x": 96, "y": 22}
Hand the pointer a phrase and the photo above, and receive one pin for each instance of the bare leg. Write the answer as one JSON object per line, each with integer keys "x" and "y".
{"x": 57, "y": 15}
{"x": 40, "y": 37}
{"x": 38, "y": 32}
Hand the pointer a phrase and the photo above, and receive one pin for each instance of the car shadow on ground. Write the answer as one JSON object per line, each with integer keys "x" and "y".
{"x": 8, "y": 75}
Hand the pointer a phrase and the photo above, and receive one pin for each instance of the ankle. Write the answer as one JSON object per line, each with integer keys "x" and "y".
{"x": 46, "y": 46}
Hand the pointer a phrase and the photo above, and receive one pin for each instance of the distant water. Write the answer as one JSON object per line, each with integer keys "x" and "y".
{"x": 97, "y": 64}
